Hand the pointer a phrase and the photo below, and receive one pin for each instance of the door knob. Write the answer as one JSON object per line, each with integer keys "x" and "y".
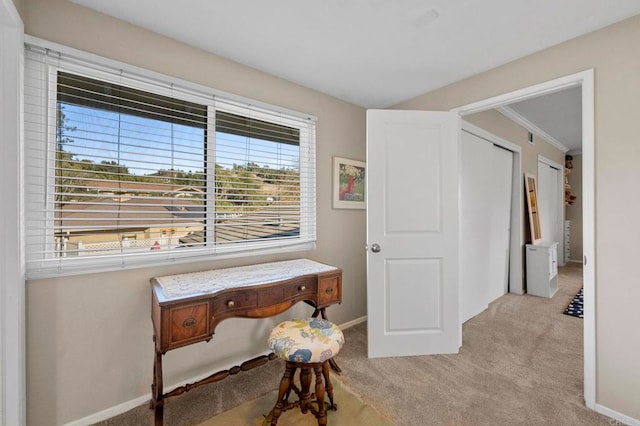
{"x": 375, "y": 247}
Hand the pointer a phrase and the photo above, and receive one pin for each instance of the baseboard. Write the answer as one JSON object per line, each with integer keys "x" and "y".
{"x": 351, "y": 323}
{"x": 574, "y": 261}
{"x": 619, "y": 418}
{"x": 129, "y": 405}
{"x": 110, "y": 412}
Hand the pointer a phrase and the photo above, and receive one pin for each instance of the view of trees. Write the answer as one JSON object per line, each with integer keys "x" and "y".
{"x": 239, "y": 188}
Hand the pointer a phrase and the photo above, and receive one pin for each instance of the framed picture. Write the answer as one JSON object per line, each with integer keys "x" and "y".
{"x": 532, "y": 206}
{"x": 348, "y": 183}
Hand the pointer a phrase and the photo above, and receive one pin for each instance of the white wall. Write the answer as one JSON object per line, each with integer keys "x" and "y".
{"x": 89, "y": 337}
{"x": 614, "y": 53}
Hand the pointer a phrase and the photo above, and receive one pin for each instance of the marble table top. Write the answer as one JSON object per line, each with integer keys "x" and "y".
{"x": 212, "y": 281}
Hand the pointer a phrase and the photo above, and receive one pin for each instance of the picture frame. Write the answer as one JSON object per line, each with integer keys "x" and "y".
{"x": 349, "y": 178}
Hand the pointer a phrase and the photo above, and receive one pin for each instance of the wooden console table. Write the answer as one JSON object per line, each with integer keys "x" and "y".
{"x": 186, "y": 308}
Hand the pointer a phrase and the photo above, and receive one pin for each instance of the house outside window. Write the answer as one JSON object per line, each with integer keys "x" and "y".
{"x": 125, "y": 171}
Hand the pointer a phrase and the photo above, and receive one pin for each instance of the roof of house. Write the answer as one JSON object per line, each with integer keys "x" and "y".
{"x": 105, "y": 213}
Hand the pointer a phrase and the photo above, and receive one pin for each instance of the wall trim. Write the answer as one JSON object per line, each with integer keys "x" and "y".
{"x": 144, "y": 399}
{"x": 482, "y": 133}
{"x": 353, "y": 322}
{"x": 620, "y": 419}
{"x": 549, "y": 162}
{"x": 111, "y": 412}
{"x": 512, "y": 115}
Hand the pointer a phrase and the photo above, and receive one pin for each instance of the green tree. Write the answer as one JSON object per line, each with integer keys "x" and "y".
{"x": 64, "y": 159}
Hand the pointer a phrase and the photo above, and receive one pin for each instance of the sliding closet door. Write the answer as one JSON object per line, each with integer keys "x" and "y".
{"x": 548, "y": 202}
{"x": 475, "y": 216}
{"x": 500, "y": 174}
{"x": 485, "y": 191}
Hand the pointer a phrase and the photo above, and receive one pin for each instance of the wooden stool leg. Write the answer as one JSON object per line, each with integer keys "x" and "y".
{"x": 322, "y": 412}
{"x": 305, "y": 385}
{"x": 283, "y": 393}
{"x": 328, "y": 385}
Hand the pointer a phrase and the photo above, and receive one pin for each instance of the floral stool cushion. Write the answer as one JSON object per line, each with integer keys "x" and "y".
{"x": 306, "y": 340}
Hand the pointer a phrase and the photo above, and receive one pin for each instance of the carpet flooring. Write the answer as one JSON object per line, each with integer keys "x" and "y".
{"x": 520, "y": 364}
{"x": 351, "y": 411}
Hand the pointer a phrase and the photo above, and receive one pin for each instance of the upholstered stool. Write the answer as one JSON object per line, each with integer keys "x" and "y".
{"x": 306, "y": 345}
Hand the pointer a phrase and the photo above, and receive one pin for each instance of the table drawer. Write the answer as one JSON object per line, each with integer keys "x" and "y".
{"x": 294, "y": 290}
{"x": 329, "y": 289}
{"x": 188, "y": 322}
{"x": 235, "y": 301}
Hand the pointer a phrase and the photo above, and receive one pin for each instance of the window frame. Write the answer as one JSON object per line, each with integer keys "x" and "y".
{"x": 91, "y": 66}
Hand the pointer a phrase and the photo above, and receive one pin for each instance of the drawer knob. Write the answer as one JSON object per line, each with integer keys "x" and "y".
{"x": 302, "y": 288}
{"x": 330, "y": 290}
{"x": 189, "y": 323}
{"x": 231, "y": 304}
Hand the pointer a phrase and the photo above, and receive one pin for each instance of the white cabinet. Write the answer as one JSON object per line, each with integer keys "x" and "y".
{"x": 542, "y": 269}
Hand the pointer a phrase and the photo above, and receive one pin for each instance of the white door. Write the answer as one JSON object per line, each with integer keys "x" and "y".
{"x": 501, "y": 175}
{"x": 475, "y": 217}
{"x": 548, "y": 202}
{"x": 412, "y": 233}
{"x": 485, "y": 221}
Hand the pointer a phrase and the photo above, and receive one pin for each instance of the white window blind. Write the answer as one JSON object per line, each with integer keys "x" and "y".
{"x": 125, "y": 171}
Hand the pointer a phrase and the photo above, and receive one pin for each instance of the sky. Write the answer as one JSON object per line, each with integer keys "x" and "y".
{"x": 146, "y": 145}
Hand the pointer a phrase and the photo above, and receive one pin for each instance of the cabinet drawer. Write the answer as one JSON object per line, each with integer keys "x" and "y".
{"x": 329, "y": 289}
{"x": 188, "y": 322}
{"x": 234, "y": 301}
{"x": 298, "y": 289}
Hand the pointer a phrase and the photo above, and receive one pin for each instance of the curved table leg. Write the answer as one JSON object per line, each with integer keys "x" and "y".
{"x": 157, "y": 400}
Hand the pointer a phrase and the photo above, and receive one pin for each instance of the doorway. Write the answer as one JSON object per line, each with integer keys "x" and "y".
{"x": 413, "y": 225}
{"x": 584, "y": 80}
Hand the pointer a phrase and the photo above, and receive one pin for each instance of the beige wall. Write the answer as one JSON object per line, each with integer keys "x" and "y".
{"x": 501, "y": 126}
{"x": 19, "y": 7}
{"x": 89, "y": 342}
{"x": 614, "y": 53}
{"x": 574, "y": 212}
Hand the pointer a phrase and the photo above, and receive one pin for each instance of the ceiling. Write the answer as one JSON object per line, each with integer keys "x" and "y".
{"x": 556, "y": 117}
{"x": 373, "y": 53}
{"x": 377, "y": 53}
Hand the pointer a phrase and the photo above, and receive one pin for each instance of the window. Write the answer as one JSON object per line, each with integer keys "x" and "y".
{"x": 124, "y": 171}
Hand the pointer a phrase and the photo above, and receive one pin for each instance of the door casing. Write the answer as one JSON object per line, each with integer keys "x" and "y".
{"x": 12, "y": 284}
{"x": 584, "y": 79}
